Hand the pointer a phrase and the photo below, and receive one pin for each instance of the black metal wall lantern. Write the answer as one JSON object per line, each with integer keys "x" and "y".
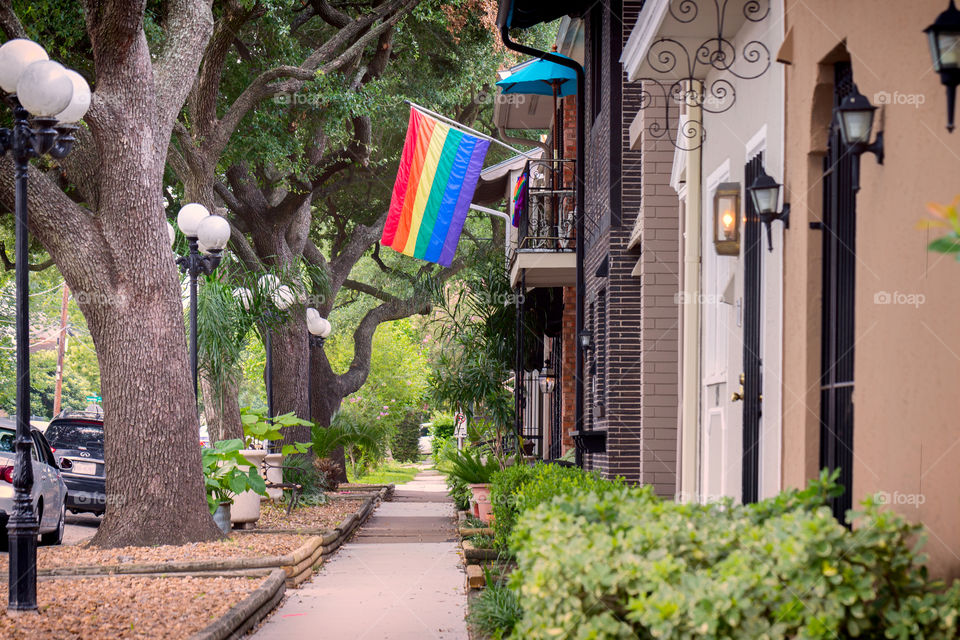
{"x": 855, "y": 119}
{"x": 726, "y": 219}
{"x": 586, "y": 338}
{"x": 765, "y": 196}
{"x": 944, "y": 36}
{"x": 548, "y": 380}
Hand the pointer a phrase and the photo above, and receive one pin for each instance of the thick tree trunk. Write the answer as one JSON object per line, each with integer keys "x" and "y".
{"x": 289, "y": 345}
{"x": 325, "y": 401}
{"x": 115, "y": 257}
{"x": 221, "y": 407}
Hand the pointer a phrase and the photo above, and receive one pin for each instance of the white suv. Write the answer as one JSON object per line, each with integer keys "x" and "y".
{"x": 49, "y": 491}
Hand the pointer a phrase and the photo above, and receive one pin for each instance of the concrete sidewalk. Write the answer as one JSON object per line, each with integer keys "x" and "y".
{"x": 400, "y": 578}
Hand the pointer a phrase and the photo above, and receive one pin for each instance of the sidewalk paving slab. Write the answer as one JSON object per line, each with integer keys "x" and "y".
{"x": 399, "y": 578}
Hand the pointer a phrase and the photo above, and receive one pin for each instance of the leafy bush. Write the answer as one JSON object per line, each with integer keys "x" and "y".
{"x": 495, "y": 611}
{"x": 227, "y": 473}
{"x": 442, "y": 425}
{"x": 518, "y": 489}
{"x": 405, "y": 445}
{"x": 472, "y": 465}
{"x": 460, "y": 492}
{"x": 784, "y": 568}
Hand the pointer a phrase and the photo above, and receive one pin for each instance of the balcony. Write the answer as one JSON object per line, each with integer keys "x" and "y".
{"x": 545, "y": 253}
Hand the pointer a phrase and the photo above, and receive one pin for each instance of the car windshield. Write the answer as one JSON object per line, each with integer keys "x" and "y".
{"x": 6, "y": 440}
{"x": 73, "y": 435}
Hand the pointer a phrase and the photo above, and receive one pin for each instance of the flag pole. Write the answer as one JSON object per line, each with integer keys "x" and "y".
{"x": 506, "y": 228}
{"x": 454, "y": 123}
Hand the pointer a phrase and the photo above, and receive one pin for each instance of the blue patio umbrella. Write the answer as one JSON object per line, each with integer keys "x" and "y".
{"x": 542, "y": 77}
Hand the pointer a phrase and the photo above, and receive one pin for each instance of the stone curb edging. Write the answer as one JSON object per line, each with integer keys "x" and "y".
{"x": 248, "y": 612}
{"x": 297, "y": 565}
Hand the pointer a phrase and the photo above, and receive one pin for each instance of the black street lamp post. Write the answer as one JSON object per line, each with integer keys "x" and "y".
{"x": 319, "y": 328}
{"x": 282, "y": 297}
{"x": 56, "y": 98}
{"x": 207, "y": 235}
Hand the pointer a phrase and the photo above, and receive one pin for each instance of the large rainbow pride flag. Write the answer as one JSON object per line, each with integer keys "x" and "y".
{"x": 438, "y": 173}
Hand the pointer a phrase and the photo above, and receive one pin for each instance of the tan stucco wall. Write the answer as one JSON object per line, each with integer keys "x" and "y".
{"x": 907, "y": 362}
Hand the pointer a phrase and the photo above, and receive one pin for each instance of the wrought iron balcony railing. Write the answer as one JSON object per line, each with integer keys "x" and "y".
{"x": 548, "y": 207}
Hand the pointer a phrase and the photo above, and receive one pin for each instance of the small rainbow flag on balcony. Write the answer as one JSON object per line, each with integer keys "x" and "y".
{"x": 438, "y": 173}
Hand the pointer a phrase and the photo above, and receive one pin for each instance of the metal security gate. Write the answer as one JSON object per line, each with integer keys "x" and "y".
{"x": 556, "y": 400}
{"x": 837, "y": 332}
{"x": 752, "y": 382}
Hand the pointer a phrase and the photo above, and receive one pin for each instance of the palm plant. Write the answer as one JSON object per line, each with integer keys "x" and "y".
{"x": 475, "y": 367}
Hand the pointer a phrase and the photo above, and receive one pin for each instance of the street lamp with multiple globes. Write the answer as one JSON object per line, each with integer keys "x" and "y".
{"x": 207, "y": 235}
{"x": 319, "y": 328}
{"x": 47, "y": 101}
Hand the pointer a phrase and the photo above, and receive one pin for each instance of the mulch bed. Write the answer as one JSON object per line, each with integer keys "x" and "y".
{"x": 126, "y": 607}
{"x": 324, "y": 516}
{"x": 237, "y": 546}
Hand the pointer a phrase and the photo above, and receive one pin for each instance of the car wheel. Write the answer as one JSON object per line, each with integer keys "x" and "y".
{"x": 55, "y": 536}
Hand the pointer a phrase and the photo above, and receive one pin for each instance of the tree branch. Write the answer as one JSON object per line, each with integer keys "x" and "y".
{"x": 370, "y": 290}
{"x": 10, "y": 266}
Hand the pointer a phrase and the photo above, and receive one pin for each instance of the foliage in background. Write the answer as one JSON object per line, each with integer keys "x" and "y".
{"x": 784, "y": 568}
{"x": 945, "y": 216}
{"x": 388, "y": 473}
{"x": 405, "y": 445}
{"x": 477, "y": 333}
{"x": 518, "y": 489}
{"x": 395, "y": 388}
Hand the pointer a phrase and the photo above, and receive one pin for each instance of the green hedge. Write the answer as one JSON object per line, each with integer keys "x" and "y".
{"x": 624, "y": 564}
{"x": 517, "y": 489}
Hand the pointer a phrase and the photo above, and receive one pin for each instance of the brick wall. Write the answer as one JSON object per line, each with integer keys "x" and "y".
{"x": 640, "y": 361}
{"x": 658, "y": 268}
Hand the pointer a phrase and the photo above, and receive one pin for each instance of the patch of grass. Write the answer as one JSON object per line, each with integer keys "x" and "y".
{"x": 495, "y": 612}
{"x": 387, "y": 473}
{"x": 481, "y": 541}
{"x": 475, "y": 523}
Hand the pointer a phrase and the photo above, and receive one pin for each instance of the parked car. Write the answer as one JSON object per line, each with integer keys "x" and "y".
{"x": 49, "y": 490}
{"x": 77, "y": 440}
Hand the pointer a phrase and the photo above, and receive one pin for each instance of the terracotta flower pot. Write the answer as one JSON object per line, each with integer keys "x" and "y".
{"x": 483, "y": 508}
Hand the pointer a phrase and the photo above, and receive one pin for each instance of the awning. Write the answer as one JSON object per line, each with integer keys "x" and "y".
{"x": 494, "y": 181}
{"x": 521, "y": 14}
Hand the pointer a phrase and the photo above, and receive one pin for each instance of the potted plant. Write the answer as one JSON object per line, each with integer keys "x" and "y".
{"x": 257, "y": 431}
{"x": 227, "y": 473}
{"x": 476, "y": 467}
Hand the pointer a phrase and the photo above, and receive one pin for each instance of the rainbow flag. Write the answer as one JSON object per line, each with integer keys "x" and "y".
{"x": 438, "y": 173}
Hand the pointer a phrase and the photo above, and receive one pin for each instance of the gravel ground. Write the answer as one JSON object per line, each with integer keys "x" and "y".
{"x": 125, "y": 607}
{"x": 325, "y": 516}
{"x": 239, "y": 546}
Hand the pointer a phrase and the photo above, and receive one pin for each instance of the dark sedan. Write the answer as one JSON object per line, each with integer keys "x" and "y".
{"x": 78, "y": 437}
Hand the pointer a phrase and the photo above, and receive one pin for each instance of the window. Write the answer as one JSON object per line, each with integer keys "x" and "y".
{"x": 74, "y": 435}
